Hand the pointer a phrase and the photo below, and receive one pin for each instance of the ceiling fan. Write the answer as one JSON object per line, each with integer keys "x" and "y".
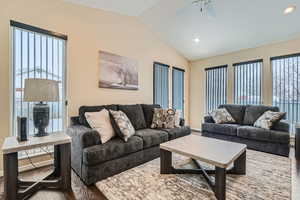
{"x": 206, "y": 7}
{"x": 203, "y": 4}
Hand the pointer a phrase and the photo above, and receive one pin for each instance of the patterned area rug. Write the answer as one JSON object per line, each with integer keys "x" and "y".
{"x": 268, "y": 178}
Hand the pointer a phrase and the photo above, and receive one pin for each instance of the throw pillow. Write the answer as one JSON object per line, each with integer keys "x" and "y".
{"x": 269, "y": 119}
{"x": 100, "y": 121}
{"x": 135, "y": 114}
{"x": 164, "y": 118}
{"x": 222, "y": 116}
{"x": 125, "y": 127}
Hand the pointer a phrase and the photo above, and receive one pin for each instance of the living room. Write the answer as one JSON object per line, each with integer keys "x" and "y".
{"x": 194, "y": 59}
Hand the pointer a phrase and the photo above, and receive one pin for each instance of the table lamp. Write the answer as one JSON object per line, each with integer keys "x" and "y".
{"x": 42, "y": 91}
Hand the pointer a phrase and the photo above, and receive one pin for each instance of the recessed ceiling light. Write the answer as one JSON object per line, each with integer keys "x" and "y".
{"x": 289, "y": 10}
{"x": 196, "y": 40}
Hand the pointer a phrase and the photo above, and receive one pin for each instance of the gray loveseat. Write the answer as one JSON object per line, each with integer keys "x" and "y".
{"x": 93, "y": 161}
{"x": 275, "y": 141}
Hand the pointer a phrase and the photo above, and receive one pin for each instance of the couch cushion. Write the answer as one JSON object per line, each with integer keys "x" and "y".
{"x": 225, "y": 129}
{"x": 178, "y": 132}
{"x": 152, "y": 137}
{"x": 254, "y": 133}
{"x": 113, "y": 149}
{"x": 135, "y": 114}
{"x": 252, "y": 113}
{"x": 84, "y": 109}
{"x": 236, "y": 111}
{"x": 148, "y": 110}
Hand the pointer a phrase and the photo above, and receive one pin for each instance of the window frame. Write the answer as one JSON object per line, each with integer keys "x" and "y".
{"x": 35, "y": 30}
{"x": 235, "y": 65}
{"x": 154, "y": 80}
{"x": 207, "y": 82}
{"x": 183, "y": 91}
{"x": 282, "y": 57}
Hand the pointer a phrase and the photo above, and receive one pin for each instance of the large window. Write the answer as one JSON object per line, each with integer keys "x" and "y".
{"x": 161, "y": 84}
{"x": 248, "y": 82}
{"x": 216, "y": 87}
{"x": 178, "y": 89}
{"x": 286, "y": 86}
{"x": 37, "y": 53}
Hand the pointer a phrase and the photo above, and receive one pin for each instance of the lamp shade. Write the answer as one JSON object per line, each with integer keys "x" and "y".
{"x": 39, "y": 90}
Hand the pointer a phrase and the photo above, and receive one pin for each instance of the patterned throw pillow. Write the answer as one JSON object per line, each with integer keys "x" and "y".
{"x": 222, "y": 116}
{"x": 125, "y": 127}
{"x": 165, "y": 118}
{"x": 269, "y": 119}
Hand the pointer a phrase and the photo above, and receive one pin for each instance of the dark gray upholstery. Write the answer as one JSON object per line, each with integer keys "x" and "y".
{"x": 152, "y": 137}
{"x": 236, "y": 111}
{"x": 84, "y": 109}
{"x": 92, "y": 174}
{"x": 268, "y": 147}
{"x": 226, "y": 129}
{"x": 209, "y": 119}
{"x": 276, "y": 141}
{"x": 135, "y": 114}
{"x": 252, "y": 113}
{"x": 254, "y": 133}
{"x": 282, "y": 126}
{"x": 178, "y": 132}
{"x": 113, "y": 149}
{"x": 77, "y": 133}
{"x": 148, "y": 110}
{"x": 93, "y": 161}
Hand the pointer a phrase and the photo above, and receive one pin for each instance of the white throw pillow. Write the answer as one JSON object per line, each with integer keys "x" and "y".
{"x": 100, "y": 121}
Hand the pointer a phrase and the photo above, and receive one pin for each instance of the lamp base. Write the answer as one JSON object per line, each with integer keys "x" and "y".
{"x": 41, "y": 118}
{"x": 38, "y": 134}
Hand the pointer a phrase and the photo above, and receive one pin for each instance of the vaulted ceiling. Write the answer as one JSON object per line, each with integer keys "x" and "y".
{"x": 235, "y": 24}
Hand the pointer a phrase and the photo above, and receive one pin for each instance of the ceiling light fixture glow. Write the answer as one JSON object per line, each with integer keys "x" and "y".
{"x": 196, "y": 40}
{"x": 289, "y": 10}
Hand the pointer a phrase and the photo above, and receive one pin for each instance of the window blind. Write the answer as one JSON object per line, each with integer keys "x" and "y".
{"x": 286, "y": 86}
{"x": 216, "y": 87}
{"x": 37, "y": 54}
{"x": 178, "y": 89}
{"x": 248, "y": 82}
{"x": 161, "y": 84}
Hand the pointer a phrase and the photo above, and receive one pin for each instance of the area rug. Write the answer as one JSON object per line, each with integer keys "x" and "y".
{"x": 268, "y": 178}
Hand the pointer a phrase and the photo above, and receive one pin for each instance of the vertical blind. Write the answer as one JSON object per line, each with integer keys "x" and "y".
{"x": 178, "y": 89}
{"x": 248, "y": 82}
{"x": 286, "y": 86}
{"x": 161, "y": 84}
{"x": 216, "y": 87}
{"x": 37, "y": 55}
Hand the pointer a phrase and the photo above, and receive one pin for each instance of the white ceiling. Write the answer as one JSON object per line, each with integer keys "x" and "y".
{"x": 237, "y": 24}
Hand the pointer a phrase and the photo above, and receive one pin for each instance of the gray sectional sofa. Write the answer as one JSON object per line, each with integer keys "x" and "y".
{"x": 93, "y": 161}
{"x": 275, "y": 141}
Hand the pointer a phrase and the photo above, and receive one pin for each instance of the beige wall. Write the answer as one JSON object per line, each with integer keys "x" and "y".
{"x": 197, "y": 79}
{"x": 89, "y": 30}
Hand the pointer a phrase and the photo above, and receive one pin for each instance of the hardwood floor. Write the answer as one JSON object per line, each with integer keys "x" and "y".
{"x": 81, "y": 192}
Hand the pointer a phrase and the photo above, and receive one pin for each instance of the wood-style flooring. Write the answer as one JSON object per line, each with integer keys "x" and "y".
{"x": 81, "y": 192}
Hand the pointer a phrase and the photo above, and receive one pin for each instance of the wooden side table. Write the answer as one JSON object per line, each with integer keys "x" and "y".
{"x": 297, "y": 142}
{"x": 60, "y": 178}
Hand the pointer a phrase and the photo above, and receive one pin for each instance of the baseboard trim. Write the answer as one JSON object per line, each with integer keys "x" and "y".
{"x": 30, "y": 167}
{"x": 196, "y": 130}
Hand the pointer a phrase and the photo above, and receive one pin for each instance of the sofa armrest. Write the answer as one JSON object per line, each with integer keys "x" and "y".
{"x": 282, "y": 126}
{"x": 208, "y": 119}
{"x": 83, "y": 137}
{"x": 74, "y": 121}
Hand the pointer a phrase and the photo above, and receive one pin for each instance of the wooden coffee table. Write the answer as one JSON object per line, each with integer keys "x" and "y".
{"x": 219, "y": 153}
